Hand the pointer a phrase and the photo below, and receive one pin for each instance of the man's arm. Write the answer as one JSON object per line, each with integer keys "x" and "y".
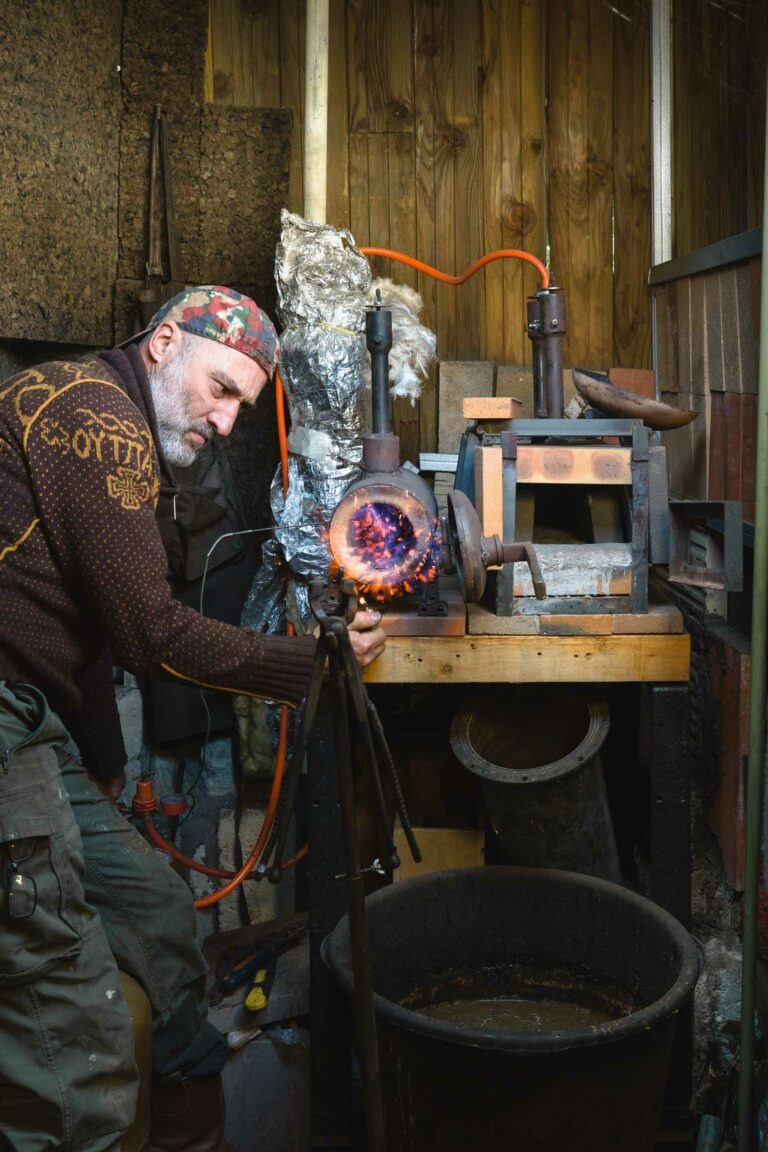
{"x": 95, "y": 478}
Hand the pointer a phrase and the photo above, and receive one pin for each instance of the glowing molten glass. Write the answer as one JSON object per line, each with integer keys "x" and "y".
{"x": 385, "y": 541}
{"x": 382, "y": 533}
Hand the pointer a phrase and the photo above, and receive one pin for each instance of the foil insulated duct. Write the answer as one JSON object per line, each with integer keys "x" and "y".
{"x": 322, "y": 282}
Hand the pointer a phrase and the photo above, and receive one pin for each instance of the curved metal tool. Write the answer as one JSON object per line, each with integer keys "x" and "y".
{"x": 597, "y": 389}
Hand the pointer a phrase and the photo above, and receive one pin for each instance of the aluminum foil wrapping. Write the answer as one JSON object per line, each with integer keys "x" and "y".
{"x": 322, "y": 281}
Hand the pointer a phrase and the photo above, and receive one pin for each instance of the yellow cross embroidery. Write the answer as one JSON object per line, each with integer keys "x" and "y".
{"x": 129, "y": 488}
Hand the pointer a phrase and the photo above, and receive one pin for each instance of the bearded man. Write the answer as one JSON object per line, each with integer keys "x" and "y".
{"x": 84, "y": 448}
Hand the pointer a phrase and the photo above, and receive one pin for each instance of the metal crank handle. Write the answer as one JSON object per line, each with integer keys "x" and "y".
{"x": 494, "y": 553}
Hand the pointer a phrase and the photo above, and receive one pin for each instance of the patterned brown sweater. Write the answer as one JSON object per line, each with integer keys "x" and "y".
{"x": 81, "y": 559}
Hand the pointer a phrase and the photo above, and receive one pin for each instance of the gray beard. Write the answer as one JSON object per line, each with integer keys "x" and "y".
{"x": 170, "y": 403}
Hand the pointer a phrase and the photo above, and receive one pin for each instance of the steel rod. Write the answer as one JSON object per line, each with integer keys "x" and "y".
{"x": 756, "y": 749}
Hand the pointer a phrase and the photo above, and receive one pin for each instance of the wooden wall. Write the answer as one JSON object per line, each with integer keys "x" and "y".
{"x": 442, "y": 146}
{"x": 709, "y": 326}
{"x": 458, "y": 127}
{"x": 719, "y": 62}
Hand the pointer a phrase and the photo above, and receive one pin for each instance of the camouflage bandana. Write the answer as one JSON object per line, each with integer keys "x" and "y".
{"x": 225, "y": 315}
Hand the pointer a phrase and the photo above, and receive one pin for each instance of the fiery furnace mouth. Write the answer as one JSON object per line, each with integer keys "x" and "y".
{"x": 385, "y": 540}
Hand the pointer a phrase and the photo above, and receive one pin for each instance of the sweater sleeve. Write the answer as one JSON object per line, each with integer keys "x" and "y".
{"x": 94, "y": 474}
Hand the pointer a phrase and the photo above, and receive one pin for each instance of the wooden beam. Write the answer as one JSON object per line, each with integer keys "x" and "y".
{"x": 488, "y": 489}
{"x": 532, "y": 659}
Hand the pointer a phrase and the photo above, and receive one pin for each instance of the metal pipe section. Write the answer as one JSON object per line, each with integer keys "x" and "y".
{"x": 552, "y": 303}
{"x": 378, "y": 339}
{"x": 535, "y": 336}
{"x": 757, "y": 703}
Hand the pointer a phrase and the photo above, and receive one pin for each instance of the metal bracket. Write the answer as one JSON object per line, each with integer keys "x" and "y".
{"x": 715, "y": 560}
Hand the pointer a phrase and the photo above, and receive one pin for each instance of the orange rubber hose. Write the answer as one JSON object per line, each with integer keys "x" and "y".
{"x": 237, "y": 878}
{"x": 160, "y": 841}
{"x": 501, "y": 254}
{"x": 166, "y": 845}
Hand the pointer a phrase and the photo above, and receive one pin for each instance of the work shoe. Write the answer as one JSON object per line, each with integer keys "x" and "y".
{"x": 187, "y": 1114}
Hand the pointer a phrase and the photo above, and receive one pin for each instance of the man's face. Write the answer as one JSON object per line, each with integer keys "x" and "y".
{"x": 198, "y": 392}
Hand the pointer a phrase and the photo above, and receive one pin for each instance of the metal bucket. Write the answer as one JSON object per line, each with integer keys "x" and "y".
{"x": 536, "y": 752}
{"x": 449, "y": 1088}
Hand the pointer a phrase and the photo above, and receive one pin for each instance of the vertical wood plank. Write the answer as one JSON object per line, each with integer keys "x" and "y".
{"x": 425, "y": 47}
{"x": 576, "y": 265}
{"x": 264, "y": 81}
{"x": 699, "y": 341}
{"x": 445, "y": 34}
{"x": 242, "y": 57}
{"x": 534, "y": 168}
{"x": 684, "y": 144}
{"x": 561, "y": 33}
{"x": 716, "y": 481}
{"x": 400, "y": 65}
{"x": 680, "y": 292}
{"x": 712, "y": 343}
{"x": 599, "y": 171}
{"x": 291, "y": 51}
{"x": 221, "y": 50}
{"x": 402, "y": 237}
{"x": 742, "y": 321}
{"x": 337, "y": 199}
{"x": 631, "y": 338}
{"x": 753, "y": 109}
{"x": 470, "y": 296}
{"x": 732, "y": 446}
{"x": 358, "y": 189}
{"x": 402, "y": 203}
{"x": 512, "y": 206}
{"x": 376, "y": 63}
{"x": 492, "y": 119}
{"x": 748, "y": 454}
{"x": 665, "y": 368}
{"x": 378, "y": 194}
{"x": 356, "y": 65}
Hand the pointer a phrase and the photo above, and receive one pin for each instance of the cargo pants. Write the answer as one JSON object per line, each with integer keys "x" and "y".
{"x": 81, "y": 892}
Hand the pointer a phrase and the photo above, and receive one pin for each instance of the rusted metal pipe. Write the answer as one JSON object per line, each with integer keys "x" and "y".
{"x": 378, "y": 339}
{"x": 552, "y": 303}
{"x": 536, "y": 337}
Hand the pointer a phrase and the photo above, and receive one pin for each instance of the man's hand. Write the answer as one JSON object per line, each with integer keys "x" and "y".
{"x": 367, "y": 637}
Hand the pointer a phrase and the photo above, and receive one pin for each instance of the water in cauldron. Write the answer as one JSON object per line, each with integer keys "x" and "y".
{"x": 519, "y": 998}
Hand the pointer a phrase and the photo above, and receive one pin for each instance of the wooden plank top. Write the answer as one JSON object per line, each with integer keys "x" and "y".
{"x": 532, "y": 659}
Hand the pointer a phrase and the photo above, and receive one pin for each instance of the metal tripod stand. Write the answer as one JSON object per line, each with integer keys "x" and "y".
{"x": 359, "y": 742}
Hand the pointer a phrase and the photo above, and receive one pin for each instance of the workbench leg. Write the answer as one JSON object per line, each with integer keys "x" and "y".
{"x": 665, "y": 721}
{"x": 664, "y": 725}
{"x": 330, "y": 1012}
